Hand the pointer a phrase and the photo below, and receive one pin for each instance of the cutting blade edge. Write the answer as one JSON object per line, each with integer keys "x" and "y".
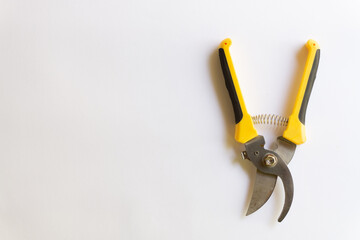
{"x": 263, "y": 188}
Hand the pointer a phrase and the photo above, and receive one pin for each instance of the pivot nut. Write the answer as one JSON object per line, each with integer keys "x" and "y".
{"x": 270, "y": 160}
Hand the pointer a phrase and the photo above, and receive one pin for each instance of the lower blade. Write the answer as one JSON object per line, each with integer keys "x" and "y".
{"x": 289, "y": 191}
{"x": 263, "y": 188}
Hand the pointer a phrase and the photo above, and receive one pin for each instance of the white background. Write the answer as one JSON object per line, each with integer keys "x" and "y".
{"x": 115, "y": 122}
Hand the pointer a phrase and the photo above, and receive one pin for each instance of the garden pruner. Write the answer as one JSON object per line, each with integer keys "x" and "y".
{"x": 270, "y": 164}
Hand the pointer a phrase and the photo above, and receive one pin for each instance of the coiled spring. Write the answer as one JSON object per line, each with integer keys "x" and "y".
{"x": 270, "y": 119}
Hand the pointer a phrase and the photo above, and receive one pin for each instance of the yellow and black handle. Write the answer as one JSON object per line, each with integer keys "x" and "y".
{"x": 244, "y": 130}
{"x": 295, "y": 131}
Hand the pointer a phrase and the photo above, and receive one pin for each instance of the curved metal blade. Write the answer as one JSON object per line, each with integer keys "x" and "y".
{"x": 263, "y": 188}
{"x": 265, "y": 183}
{"x": 255, "y": 152}
{"x": 287, "y": 180}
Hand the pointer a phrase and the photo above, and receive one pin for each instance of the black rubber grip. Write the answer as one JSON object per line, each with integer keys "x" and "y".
{"x": 230, "y": 86}
{"x": 309, "y": 87}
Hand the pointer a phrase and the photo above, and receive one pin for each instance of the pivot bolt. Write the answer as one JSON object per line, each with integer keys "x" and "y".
{"x": 270, "y": 160}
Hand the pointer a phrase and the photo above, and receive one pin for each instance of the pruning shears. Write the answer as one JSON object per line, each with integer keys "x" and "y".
{"x": 270, "y": 163}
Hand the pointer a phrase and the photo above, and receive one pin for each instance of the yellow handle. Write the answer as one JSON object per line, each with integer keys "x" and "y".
{"x": 295, "y": 131}
{"x": 244, "y": 129}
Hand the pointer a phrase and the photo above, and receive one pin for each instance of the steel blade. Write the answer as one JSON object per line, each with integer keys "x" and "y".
{"x": 288, "y": 184}
{"x": 263, "y": 188}
{"x": 265, "y": 183}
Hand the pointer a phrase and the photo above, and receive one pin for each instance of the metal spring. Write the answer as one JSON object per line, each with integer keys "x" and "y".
{"x": 270, "y": 119}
